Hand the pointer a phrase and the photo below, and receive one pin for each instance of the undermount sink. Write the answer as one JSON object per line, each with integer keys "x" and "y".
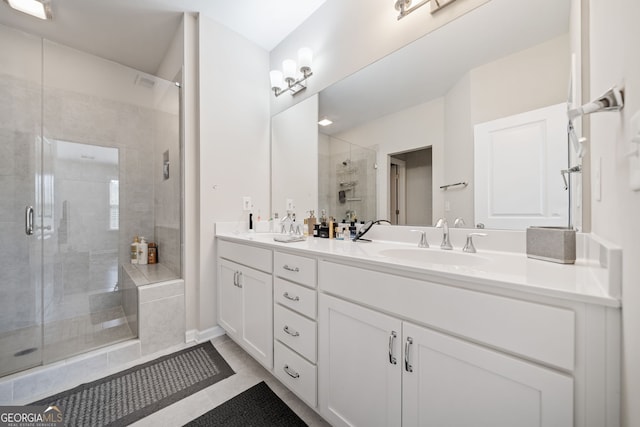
{"x": 435, "y": 256}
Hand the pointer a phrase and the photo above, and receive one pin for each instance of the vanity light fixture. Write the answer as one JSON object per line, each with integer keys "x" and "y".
{"x": 405, "y": 8}
{"x": 325, "y": 122}
{"x": 38, "y": 8}
{"x": 293, "y": 75}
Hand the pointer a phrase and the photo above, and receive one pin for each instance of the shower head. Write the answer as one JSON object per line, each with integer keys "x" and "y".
{"x": 346, "y": 162}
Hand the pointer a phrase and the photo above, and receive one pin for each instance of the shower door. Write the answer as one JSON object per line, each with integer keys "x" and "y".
{"x": 20, "y": 214}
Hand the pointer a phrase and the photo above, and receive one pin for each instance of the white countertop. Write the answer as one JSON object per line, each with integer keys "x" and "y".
{"x": 512, "y": 271}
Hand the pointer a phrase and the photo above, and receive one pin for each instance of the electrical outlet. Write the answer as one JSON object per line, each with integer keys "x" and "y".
{"x": 246, "y": 203}
{"x": 290, "y": 206}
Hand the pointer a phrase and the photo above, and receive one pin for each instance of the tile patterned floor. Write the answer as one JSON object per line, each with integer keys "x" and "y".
{"x": 248, "y": 373}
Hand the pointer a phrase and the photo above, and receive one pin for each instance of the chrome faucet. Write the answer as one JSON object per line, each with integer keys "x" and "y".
{"x": 469, "y": 247}
{"x": 446, "y": 244}
{"x": 423, "y": 239}
{"x": 459, "y": 223}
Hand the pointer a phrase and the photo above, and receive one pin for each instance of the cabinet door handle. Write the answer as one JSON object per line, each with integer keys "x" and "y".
{"x": 235, "y": 278}
{"x": 238, "y": 279}
{"x": 291, "y": 372}
{"x": 291, "y": 331}
{"x": 407, "y": 349}
{"x": 289, "y": 297}
{"x": 294, "y": 269}
{"x": 392, "y": 340}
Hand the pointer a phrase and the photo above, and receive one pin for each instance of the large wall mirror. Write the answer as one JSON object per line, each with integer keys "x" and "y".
{"x": 410, "y": 123}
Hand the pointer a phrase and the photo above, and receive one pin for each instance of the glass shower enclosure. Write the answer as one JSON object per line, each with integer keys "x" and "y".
{"x": 84, "y": 144}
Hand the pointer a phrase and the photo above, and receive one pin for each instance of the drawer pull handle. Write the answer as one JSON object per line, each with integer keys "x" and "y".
{"x": 294, "y": 269}
{"x": 392, "y": 339}
{"x": 290, "y": 372}
{"x": 291, "y": 331}
{"x": 291, "y": 298}
{"x": 407, "y": 349}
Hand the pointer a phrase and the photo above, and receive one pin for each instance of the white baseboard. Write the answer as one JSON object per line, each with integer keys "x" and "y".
{"x": 190, "y": 335}
{"x": 205, "y": 335}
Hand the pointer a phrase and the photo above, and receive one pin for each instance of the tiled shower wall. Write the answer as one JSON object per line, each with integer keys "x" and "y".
{"x": 359, "y": 170}
{"x": 149, "y": 205}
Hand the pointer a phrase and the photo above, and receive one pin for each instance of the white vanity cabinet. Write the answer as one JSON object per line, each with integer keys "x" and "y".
{"x": 294, "y": 324}
{"x": 360, "y": 363}
{"x": 369, "y": 343}
{"x": 379, "y": 370}
{"x": 448, "y": 381}
{"x": 245, "y": 298}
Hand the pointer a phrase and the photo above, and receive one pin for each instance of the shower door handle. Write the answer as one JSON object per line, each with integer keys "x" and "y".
{"x": 28, "y": 220}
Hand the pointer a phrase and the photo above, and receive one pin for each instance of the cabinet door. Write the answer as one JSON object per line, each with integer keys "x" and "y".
{"x": 229, "y": 298}
{"x": 359, "y": 365}
{"x": 257, "y": 314}
{"x": 450, "y": 382}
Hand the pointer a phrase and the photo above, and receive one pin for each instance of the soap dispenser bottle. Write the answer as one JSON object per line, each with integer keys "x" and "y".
{"x": 143, "y": 251}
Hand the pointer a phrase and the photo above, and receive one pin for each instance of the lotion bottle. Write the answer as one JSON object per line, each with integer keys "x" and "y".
{"x": 134, "y": 250}
{"x": 143, "y": 251}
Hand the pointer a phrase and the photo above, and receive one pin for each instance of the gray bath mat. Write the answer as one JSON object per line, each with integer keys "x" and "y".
{"x": 256, "y": 407}
{"x": 125, "y": 397}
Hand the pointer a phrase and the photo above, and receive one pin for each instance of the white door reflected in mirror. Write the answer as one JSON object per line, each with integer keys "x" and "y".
{"x": 518, "y": 160}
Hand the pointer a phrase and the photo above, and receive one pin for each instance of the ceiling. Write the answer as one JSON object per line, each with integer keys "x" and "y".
{"x": 137, "y": 33}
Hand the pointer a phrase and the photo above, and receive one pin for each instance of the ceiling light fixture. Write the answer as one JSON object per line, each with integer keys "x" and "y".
{"x": 404, "y": 6}
{"x": 325, "y": 122}
{"x": 38, "y": 8}
{"x": 289, "y": 80}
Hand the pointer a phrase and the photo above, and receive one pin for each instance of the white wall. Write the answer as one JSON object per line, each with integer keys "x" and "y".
{"x": 527, "y": 80}
{"x": 614, "y": 59}
{"x": 234, "y": 142}
{"x": 458, "y": 154}
{"x": 294, "y": 134}
{"x": 416, "y": 127}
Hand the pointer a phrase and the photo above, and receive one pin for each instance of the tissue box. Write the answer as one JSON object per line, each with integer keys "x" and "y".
{"x": 555, "y": 244}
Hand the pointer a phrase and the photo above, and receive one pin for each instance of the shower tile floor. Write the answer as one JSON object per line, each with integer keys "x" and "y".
{"x": 63, "y": 338}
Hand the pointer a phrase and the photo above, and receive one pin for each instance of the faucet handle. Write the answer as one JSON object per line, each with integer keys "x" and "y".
{"x": 423, "y": 238}
{"x": 459, "y": 223}
{"x": 468, "y": 247}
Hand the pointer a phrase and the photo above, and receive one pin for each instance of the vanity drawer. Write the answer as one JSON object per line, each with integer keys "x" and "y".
{"x": 295, "y": 268}
{"x": 296, "y": 331}
{"x": 251, "y": 256}
{"x": 296, "y": 373}
{"x": 537, "y": 331}
{"x": 295, "y": 297}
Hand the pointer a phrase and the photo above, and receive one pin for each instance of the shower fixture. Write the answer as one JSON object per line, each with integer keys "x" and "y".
{"x": 611, "y": 100}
